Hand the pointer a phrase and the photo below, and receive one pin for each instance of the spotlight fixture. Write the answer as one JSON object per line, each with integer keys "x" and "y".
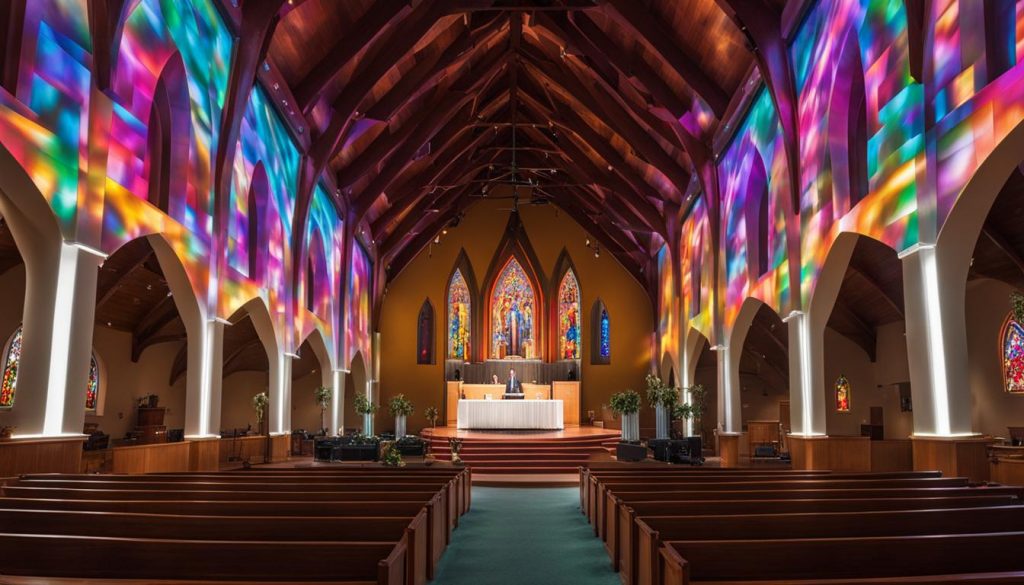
{"x": 593, "y": 246}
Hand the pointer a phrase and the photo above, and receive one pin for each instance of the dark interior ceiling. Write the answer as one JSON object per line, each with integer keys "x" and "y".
{"x": 999, "y": 251}
{"x": 423, "y": 107}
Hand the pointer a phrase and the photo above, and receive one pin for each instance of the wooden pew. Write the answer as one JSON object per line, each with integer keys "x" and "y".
{"x": 415, "y": 530}
{"x": 308, "y": 496}
{"x": 439, "y": 531}
{"x": 608, "y": 513}
{"x": 946, "y": 558}
{"x": 93, "y": 557}
{"x": 623, "y": 541}
{"x": 652, "y": 530}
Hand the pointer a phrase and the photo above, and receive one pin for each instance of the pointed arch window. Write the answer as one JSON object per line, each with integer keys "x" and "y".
{"x": 569, "y": 339}
{"x": 12, "y": 360}
{"x": 460, "y": 316}
{"x": 1012, "y": 350}
{"x": 601, "y": 334}
{"x": 513, "y": 313}
{"x": 425, "y": 334}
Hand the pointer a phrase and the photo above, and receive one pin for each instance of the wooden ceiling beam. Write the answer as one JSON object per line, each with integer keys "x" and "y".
{"x": 895, "y": 305}
{"x": 864, "y": 334}
{"x": 366, "y": 31}
{"x": 231, "y": 360}
{"x": 638, "y": 19}
{"x": 455, "y": 98}
{"x": 151, "y": 323}
{"x": 1004, "y": 246}
{"x": 104, "y": 293}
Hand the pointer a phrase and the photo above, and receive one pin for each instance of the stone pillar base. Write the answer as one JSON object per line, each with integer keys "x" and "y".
{"x": 953, "y": 456}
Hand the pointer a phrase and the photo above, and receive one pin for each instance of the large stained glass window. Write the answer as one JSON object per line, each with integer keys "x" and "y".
{"x": 606, "y": 337}
{"x": 513, "y": 313}
{"x": 10, "y": 379}
{"x": 459, "y": 315}
{"x": 569, "y": 317}
{"x": 1013, "y": 356}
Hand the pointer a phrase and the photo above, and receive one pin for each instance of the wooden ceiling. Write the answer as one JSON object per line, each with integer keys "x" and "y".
{"x": 419, "y": 107}
{"x": 999, "y": 251}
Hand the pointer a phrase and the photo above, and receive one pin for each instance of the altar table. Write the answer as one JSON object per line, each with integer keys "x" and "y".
{"x": 510, "y": 414}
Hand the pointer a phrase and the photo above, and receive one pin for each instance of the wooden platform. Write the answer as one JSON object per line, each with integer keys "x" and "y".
{"x": 526, "y": 453}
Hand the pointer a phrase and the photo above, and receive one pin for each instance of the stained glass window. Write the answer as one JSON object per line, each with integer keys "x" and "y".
{"x": 569, "y": 341}
{"x": 459, "y": 315}
{"x": 1013, "y": 356}
{"x": 606, "y": 337}
{"x": 92, "y": 388}
{"x": 842, "y": 394}
{"x": 10, "y": 379}
{"x": 513, "y": 313}
{"x": 11, "y": 370}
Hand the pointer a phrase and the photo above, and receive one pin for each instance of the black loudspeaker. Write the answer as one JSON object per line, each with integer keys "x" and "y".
{"x": 695, "y": 449}
{"x": 630, "y": 452}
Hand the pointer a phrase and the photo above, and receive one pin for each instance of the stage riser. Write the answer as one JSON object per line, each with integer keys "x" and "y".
{"x": 488, "y": 452}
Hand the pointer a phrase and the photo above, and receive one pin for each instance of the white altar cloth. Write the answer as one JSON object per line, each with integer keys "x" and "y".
{"x": 510, "y": 414}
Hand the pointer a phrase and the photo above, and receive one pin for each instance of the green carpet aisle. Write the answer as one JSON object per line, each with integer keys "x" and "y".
{"x": 525, "y": 536}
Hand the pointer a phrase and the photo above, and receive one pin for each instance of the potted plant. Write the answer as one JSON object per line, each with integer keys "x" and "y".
{"x": 400, "y": 407}
{"x": 323, "y": 396}
{"x": 691, "y": 412}
{"x": 367, "y": 408}
{"x": 432, "y": 415}
{"x": 627, "y": 405}
{"x": 663, "y": 398}
{"x": 6, "y": 432}
{"x": 455, "y": 445}
{"x": 359, "y": 447}
{"x": 260, "y": 402}
{"x": 391, "y": 455}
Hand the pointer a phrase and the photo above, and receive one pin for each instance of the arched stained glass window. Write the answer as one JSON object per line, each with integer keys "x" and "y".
{"x": 1012, "y": 349}
{"x": 10, "y": 379}
{"x": 569, "y": 341}
{"x": 605, "y": 334}
{"x": 12, "y": 359}
{"x": 842, "y": 394}
{"x": 92, "y": 387}
{"x": 459, "y": 317}
{"x": 513, "y": 313}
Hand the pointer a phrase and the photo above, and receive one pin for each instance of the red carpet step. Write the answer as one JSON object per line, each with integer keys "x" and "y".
{"x": 521, "y": 452}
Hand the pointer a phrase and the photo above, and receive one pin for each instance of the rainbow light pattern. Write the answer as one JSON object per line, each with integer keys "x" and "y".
{"x": 460, "y": 314}
{"x": 1012, "y": 344}
{"x": 513, "y": 313}
{"x": 754, "y": 166}
{"x": 569, "y": 338}
{"x": 668, "y": 305}
{"x": 696, "y": 268}
{"x": 357, "y": 331}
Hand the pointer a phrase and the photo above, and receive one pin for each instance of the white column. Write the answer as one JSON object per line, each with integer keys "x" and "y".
{"x": 203, "y": 382}
{"x": 280, "y": 393}
{"x": 338, "y": 401}
{"x": 806, "y": 374}
{"x": 936, "y": 344}
{"x": 728, "y": 390}
{"x": 60, "y": 308}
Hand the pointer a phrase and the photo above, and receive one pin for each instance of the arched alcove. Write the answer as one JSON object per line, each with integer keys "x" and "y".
{"x": 425, "y": 334}
{"x": 565, "y": 311}
{"x": 355, "y": 382}
{"x": 259, "y": 240}
{"x": 463, "y": 336}
{"x": 600, "y": 348}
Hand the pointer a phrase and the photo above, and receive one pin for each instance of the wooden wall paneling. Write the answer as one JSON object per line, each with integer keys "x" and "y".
{"x": 204, "y": 455}
{"x": 892, "y": 455}
{"x": 849, "y": 454}
{"x": 59, "y": 455}
{"x": 154, "y": 458}
{"x": 953, "y": 456}
{"x": 569, "y": 394}
{"x": 729, "y": 449}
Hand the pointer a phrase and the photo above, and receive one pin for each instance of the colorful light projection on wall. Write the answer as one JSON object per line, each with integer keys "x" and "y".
{"x": 513, "y": 313}
{"x": 460, "y": 314}
{"x": 1012, "y": 346}
{"x": 696, "y": 269}
{"x": 754, "y": 181}
{"x": 843, "y": 48}
{"x": 325, "y": 235}
{"x": 842, "y": 394}
{"x": 357, "y": 331}
{"x": 668, "y": 305}
{"x": 9, "y": 381}
{"x": 569, "y": 339}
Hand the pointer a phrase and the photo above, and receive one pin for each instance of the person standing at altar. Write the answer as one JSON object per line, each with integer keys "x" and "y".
{"x": 513, "y": 386}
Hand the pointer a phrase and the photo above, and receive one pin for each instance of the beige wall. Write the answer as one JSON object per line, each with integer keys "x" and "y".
{"x": 124, "y": 381}
{"x": 12, "y": 299}
{"x": 305, "y": 411}
{"x": 237, "y": 390}
{"x": 480, "y": 232}
{"x": 988, "y": 304}
{"x": 871, "y": 384}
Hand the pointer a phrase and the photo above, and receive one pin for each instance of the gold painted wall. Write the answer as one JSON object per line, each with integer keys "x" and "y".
{"x": 549, "y": 231}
